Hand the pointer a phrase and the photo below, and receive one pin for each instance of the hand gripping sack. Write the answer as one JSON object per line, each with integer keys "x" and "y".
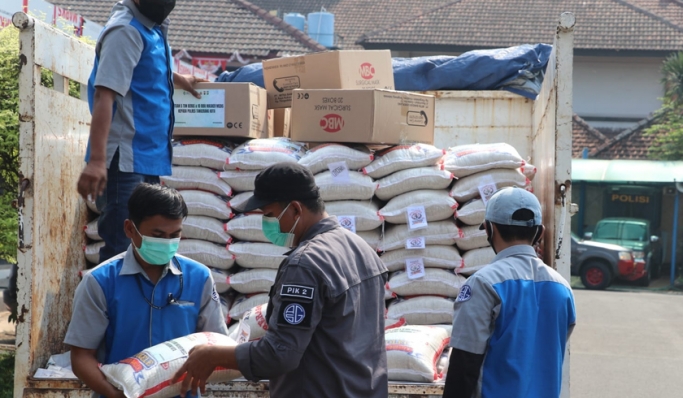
{"x": 466, "y": 160}
{"x": 471, "y": 237}
{"x": 403, "y": 157}
{"x": 436, "y": 233}
{"x": 356, "y": 187}
{"x": 91, "y": 230}
{"x": 239, "y": 200}
{"x": 467, "y": 188}
{"x": 258, "y": 255}
{"x": 185, "y": 177}
{"x": 437, "y": 282}
{"x": 422, "y": 310}
{"x": 240, "y": 180}
{"x": 244, "y": 303}
{"x": 92, "y": 252}
{"x": 259, "y": 154}
{"x": 435, "y": 256}
{"x": 412, "y": 352}
{"x": 207, "y": 253}
{"x": 253, "y": 280}
{"x": 434, "y": 177}
{"x": 438, "y": 206}
{"x": 200, "y": 203}
{"x": 247, "y": 227}
{"x": 365, "y": 214}
{"x": 204, "y": 153}
{"x": 319, "y": 158}
{"x": 476, "y": 259}
{"x": 472, "y": 212}
{"x": 256, "y": 319}
{"x": 205, "y": 228}
{"x": 149, "y": 373}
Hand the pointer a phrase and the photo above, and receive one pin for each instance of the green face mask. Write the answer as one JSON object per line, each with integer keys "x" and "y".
{"x": 156, "y": 251}
{"x": 271, "y": 229}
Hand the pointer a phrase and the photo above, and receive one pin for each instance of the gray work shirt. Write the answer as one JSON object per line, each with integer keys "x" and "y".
{"x": 325, "y": 320}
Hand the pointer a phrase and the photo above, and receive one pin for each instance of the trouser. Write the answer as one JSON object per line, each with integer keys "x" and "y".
{"x": 114, "y": 207}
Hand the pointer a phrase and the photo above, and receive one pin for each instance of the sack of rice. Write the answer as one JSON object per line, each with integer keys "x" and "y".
{"x": 388, "y": 294}
{"x": 436, "y": 282}
{"x": 92, "y": 252}
{"x": 92, "y": 206}
{"x": 247, "y": 227}
{"x": 468, "y": 188}
{"x": 436, "y": 233}
{"x": 437, "y": 256}
{"x": 221, "y": 280}
{"x": 466, "y": 160}
{"x": 205, "y": 228}
{"x": 392, "y": 323}
{"x": 529, "y": 171}
{"x": 412, "y": 352}
{"x": 91, "y": 230}
{"x": 253, "y": 280}
{"x": 185, "y": 177}
{"x": 472, "y": 212}
{"x": 319, "y": 158}
{"x": 361, "y": 215}
{"x": 471, "y": 237}
{"x": 255, "y": 318}
{"x": 239, "y": 200}
{"x": 443, "y": 362}
{"x": 372, "y": 238}
{"x": 240, "y": 180}
{"x": 355, "y": 186}
{"x": 204, "y": 153}
{"x": 403, "y": 181}
{"x": 259, "y": 154}
{"x": 149, "y": 373}
{"x": 476, "y": 259}
{"x": 258, "y": 255}
{"x": 207, "y": 253}
{"x": 422, "y": 310}
{"x": 403, "y": 157}
{"x": 244, "y": 303}
{"x": 200, "y": 203}
{"x": 438, "y": 206}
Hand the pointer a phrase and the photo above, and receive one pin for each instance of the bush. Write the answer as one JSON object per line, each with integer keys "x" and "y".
{"x": 7, "y": 375}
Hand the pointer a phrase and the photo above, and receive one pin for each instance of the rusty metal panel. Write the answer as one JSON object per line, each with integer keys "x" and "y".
{"x": 246, "y": 389}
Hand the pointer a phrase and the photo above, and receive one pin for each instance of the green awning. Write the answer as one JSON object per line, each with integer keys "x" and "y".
{"x": 627, "y": 170}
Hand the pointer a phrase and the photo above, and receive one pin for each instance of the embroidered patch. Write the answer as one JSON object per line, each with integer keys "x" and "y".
{"x": 465, "y": 293}
{"x": 214, "y": 295}
{"x": 298, "y": 291}
{"x": 295, "y": 314}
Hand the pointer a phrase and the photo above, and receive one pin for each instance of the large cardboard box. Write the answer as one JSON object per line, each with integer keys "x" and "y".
{"x": 364, "y": 69}
{"x": 362, "y": 116}
{"x": 225, "y": 110}
{"x": 282, "y": 122}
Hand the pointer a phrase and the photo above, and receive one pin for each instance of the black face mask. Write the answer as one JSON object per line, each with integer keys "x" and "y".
{"x": 156, "y": 10}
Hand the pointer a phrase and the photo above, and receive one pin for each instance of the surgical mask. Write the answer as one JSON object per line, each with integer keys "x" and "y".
{"x": 156, "y": 10}
{"x": 156, "y": 251}
{"x": 271, "y": 229}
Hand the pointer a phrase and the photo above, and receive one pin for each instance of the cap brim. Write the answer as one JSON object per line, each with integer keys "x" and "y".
{"x": 252, "y": 204}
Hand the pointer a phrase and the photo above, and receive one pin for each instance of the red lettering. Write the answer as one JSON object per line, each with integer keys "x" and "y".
{"x": 367, "y": 71}
{"x": 332, "y": 123}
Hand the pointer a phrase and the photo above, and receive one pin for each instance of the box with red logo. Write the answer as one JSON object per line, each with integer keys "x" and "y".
{"x": 362, "y": 116}
{"x": 364, "y": 69}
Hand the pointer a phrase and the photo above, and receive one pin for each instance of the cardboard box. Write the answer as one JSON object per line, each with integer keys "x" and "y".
{"x": 270, "y": 114}
{"x": 364, "y": 69}
{"x": 225, "y": 110}
{"x": 282, "y": 122}
{"x": 362, "y": 116}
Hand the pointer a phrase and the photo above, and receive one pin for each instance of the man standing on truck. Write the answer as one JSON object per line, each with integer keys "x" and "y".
{"x": 130, "y": 95}
{"x": 143, "y": 297}
{"x": 512, "y": 318}
{"x": 325, "y": 315}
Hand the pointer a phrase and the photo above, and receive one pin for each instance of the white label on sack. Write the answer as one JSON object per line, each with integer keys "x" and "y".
{"x": 243, "y": 332}
{"x": 348, "y": 222}
{"x": 415, "y": 268}
{"x": 340, "y": 172}
{"x": 417, "y": 217}
{"x": 166, "y": 352}
{"x": 487, "y": 187}
{"x": 209, "y": 111}
{"x": 415, "y": 243}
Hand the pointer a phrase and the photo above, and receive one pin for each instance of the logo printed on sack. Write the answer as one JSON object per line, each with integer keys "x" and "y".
{"x": 298, "y": 291}
{"x": 367, "y": 71}
{"x": 294, "y": 314}
{"x": 465, "y": 293}
{"x": 332, "y": 123}
{"x": 416, "y": 215}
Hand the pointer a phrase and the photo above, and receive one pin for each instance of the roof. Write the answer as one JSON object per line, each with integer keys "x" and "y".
{"x": 220, "y": 27}
{"x": 620, "y": 25}
{"x": 585, "y": 136}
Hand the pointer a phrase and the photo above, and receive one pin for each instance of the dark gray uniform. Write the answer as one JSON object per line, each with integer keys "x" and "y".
{"x": 325, "y": 321}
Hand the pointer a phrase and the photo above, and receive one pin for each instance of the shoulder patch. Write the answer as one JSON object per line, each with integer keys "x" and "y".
{"x": 297, "y": 314}
{"x": 465, "y": 294}
{"x": 297, "y": 291}
{"x": 214, "y": 294}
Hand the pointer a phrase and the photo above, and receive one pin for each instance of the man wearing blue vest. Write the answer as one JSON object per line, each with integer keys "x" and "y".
{"x": 512, "y": 318}
{"x": 144, "y": 296}
{"x": 130, "y": 93}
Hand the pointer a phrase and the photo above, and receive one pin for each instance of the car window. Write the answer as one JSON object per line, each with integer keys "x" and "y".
{"x": 634, "y": 232}
{"x": 608, "y": 230}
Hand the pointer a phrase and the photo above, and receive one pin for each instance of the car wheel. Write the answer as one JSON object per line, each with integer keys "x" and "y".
{"x": 595, "y": 276}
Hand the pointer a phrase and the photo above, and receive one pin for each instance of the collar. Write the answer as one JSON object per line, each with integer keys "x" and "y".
{"x": 131, "y": 266}
{"x": 149, "y": 24}
{"x": 322, "y": 226}
{"x": 517, "y": 250}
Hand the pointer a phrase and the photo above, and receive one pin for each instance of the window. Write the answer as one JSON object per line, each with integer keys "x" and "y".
{"x": 634, "y": 232}
{"x": 608, "y": 230}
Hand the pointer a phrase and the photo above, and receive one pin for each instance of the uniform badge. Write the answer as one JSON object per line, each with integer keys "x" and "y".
{"x": 297, "y": 291}
{"x": 465, "y": 294}
{"x": 214, "y": 294}
{"x": 294, "y": 313}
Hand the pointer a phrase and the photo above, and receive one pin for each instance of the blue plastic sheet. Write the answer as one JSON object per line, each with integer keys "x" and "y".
{"x": 517, "y": 69}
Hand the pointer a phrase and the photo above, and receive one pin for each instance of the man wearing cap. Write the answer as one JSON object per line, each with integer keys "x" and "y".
{"x": 512, "y": 318}
{"x": 325, "y": 315}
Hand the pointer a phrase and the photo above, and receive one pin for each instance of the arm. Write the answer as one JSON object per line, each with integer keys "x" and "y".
{"x": 187, "y": 82}
{"x": 85, "y": 366}
{"x": 463, "y": 374}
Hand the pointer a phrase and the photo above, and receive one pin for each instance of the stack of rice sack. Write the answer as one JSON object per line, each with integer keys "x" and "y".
{"x": 480, "y": 171}
{"x": 93, "y": 242}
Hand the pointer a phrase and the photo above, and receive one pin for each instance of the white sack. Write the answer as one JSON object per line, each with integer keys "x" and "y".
{"x": 434, "y": 177}
{"x": 357, "y": 187}
{"x": 205, "y": 228}
{"x": 403, "y": 157}
{"x": 207, "y": 253}
{"x": 186, "y": 177}
{"x": 365, "y": 213}
{"x": 204, "y": 153}
{"x": 318, "y": 158}
{"x": 438, "y": 206}
{"x": 466, "y": 160}
{"x": 201, "y": 203}
{"x": 258, "y": 255}
{"x": 412, "y": 352}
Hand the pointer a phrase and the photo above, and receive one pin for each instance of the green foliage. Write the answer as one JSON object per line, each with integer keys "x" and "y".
{"x": 672, "y": 78}
{"x": 668, "y": 122}
{"x": 7, "y": 375}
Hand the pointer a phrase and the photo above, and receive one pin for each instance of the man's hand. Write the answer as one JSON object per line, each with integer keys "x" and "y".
{"x": 200, "y": 364}
{"x": 187, "y": 82}
{"x": 93, "y": 180}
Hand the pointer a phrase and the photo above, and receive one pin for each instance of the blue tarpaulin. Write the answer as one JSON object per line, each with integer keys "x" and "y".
{"x": 518, "y": 69}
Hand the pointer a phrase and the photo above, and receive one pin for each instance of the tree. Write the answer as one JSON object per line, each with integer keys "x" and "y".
{"x": 667, "y": 126}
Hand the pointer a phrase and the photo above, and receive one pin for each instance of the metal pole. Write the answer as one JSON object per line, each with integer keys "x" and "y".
{"x": 674, "y": 238}
{"x": 582, "y": 200}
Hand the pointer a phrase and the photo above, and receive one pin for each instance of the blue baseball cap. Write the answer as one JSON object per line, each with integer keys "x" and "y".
{"x": 504, "y": 203}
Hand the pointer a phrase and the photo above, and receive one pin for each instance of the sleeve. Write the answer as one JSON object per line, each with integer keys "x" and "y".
{"x": 463, "y": 374}
{"x": 211, "y": 318}
{"x": 90, "y": 319}
{"x": 120, "y": 51}
{"x": 297, "y": 303}
{"x": 475, "y": 313}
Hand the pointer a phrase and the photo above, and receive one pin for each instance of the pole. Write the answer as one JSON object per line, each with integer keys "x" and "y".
{"x": 582, "y": 200}
{"x": 674, "y": 238}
